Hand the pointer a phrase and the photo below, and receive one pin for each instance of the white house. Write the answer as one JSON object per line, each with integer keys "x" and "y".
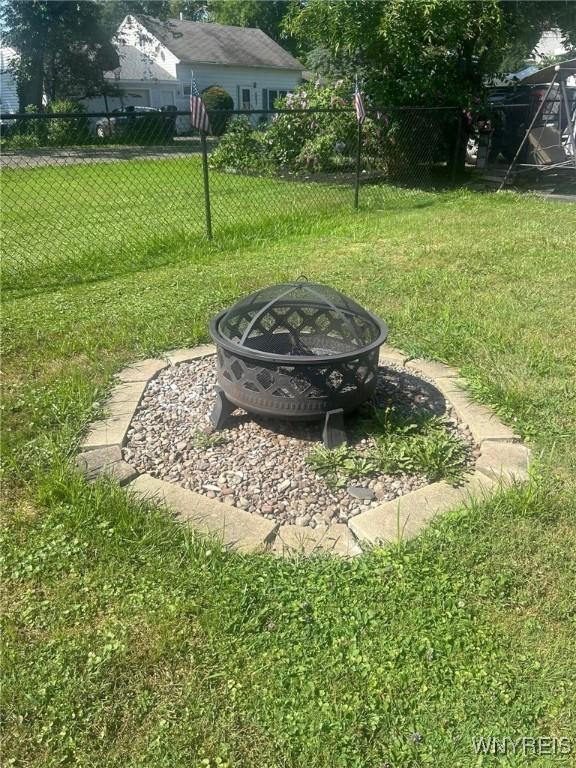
{"x": 158, "y": 59}
{"x": 8, "y": 92}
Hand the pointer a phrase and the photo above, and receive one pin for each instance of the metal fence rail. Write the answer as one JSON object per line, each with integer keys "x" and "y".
{"x": 88, "y": 196}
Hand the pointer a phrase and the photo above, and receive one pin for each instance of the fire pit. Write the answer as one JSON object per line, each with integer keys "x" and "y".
{"x": 298, "y": 351}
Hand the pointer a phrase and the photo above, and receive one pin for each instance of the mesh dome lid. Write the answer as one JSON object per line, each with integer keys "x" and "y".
{"x": 301, "y": 320}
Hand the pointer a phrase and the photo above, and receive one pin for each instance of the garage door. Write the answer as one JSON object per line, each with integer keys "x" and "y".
{"x": 136, "y": 97}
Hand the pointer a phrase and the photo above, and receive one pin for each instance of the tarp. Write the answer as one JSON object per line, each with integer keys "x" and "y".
{"x": 544, "y": 76}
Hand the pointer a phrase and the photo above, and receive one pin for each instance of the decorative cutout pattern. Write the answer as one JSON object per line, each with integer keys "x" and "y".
{"x": 310, "y": 389}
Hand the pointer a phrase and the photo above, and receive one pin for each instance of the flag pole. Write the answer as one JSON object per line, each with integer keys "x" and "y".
{"x": 358, "y": 159}
{"x": 205, "y": 175}
{"x": 206, "y": 185}
{"x": 358, "y": 163}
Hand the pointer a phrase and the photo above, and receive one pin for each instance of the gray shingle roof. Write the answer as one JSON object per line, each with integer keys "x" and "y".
{"x": 135, "y": 65}
{"x": 193, "y": 41}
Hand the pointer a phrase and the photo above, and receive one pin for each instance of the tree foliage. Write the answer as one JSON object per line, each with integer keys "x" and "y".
{"x": 431, "y": 51}
{"x": 524, "y": 24}
{"x": 62, "y": 48}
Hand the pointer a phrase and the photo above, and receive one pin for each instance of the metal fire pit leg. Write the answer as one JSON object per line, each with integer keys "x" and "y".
{"x": 221, "y": 410}
{"x": 333, "y": 433}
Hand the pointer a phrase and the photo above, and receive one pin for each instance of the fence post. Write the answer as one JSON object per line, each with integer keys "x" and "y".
{"x": 206, "y": 185}
{"x": 358, "y": 160}
{"x": 457, "y": 148}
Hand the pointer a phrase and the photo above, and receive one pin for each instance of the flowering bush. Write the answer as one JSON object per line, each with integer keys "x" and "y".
{"x": 295, "y": 140}
{"x": 242, "y": 148}
{"x": 312, "y": 140}
{"x": 318, "y": 131}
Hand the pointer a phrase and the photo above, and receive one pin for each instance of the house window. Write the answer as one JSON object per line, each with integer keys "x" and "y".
{"x": 187, "y": 90}
{"x": 273, "y": 96}
{"x": 245, "y": 98}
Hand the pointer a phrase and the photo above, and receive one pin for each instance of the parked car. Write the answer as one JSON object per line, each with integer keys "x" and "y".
{"x": 143, "y": 122}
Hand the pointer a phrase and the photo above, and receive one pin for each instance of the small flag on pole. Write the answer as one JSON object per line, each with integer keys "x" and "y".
{"x": 359, "y": 104}
{"x": 198, "y": 114}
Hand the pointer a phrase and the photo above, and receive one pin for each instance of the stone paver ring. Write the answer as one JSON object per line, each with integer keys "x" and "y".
{"x": 503, "y": 458}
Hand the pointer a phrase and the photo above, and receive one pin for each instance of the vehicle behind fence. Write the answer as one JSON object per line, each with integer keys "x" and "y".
{"x": 87, "y": 196}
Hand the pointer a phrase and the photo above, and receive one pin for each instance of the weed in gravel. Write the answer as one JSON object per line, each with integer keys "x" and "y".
{"x": 399, "y": 444}
{"x": 208, "y": 439}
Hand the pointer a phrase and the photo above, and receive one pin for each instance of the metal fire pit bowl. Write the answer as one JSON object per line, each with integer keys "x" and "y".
{"x": 298, "y": 351}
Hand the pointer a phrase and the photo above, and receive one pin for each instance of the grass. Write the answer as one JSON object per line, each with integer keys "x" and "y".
{"x": 129, "y": 642}
{"x": 107, "y": 219}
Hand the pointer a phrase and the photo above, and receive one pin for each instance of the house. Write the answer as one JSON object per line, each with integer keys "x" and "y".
{"x": 158, "y": 59}
{"x": 8, "y": 90}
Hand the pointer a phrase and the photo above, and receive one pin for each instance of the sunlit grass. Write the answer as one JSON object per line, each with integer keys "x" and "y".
{"x": 128, "y": 642}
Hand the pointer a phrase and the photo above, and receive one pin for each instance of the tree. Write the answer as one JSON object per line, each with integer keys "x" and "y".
{"x": 426, "y": 52}
{"x": 268, "y": 16}
{"x": 524, "y": 24}
{"x": 62, "y": 49}
{"x": 432, "y": 51}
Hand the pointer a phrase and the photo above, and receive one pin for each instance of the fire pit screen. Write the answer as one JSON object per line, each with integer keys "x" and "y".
{"x": 296, "y": 351}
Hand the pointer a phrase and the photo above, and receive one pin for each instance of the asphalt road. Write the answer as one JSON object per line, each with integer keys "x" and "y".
{"x": 37, "y": 158}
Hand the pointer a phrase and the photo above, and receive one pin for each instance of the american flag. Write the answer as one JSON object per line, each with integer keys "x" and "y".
{"x": 198, "y": 113}
{"x": 359, "y": 105}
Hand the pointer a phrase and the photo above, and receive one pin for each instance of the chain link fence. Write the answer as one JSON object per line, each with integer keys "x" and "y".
{"x": 89, "y": 196}
{"x": 528, "y": 144}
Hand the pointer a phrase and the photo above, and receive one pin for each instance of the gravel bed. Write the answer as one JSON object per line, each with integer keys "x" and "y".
{"x": 258, "y": 464}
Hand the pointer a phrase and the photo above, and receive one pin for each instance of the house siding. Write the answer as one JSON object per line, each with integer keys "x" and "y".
{"x": 232, "y": 79}
{"x": 156, "y": 93}
{"x": 8, "y": 91}
{"x": 131, "y": 32}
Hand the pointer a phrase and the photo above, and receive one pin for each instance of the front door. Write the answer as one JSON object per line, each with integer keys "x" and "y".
{"x": 245, "y": 97}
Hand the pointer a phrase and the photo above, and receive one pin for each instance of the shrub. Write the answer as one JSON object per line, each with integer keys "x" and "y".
{"x": 22, "y": 141}
{"x": 295, "y": 140}
{"x": 68, "y": 130}
{"x": 326, "y": 152}
{"x": 401, "y": 143}
{"x": 26, "y": 133}
{"x": 241, "y": 148}
{"x": 316, "y": 141}
{"x": 216, "y": 98}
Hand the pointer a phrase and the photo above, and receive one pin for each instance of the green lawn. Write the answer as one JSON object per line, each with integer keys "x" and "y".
{"x": 70, "y": 224}
{"x": 129, "y": 642}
